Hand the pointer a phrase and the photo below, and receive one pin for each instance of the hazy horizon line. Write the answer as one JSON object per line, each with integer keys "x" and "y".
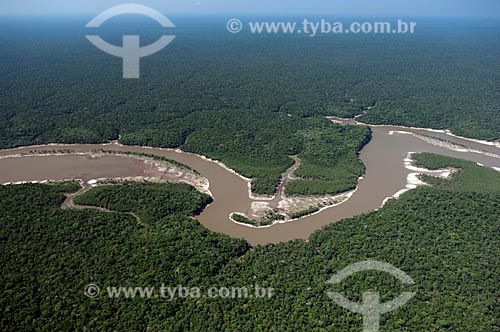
{"x": 262, "y": 14}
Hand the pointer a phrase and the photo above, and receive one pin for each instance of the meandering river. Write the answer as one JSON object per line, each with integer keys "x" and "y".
{"x": 383, "y": 157}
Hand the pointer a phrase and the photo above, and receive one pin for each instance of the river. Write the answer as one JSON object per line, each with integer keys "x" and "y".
{"x": 383, "y": 157}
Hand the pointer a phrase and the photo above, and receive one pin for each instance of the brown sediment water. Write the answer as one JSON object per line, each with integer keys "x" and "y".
{"x": 61, "y": 167}
{"x": 383, "y": 157}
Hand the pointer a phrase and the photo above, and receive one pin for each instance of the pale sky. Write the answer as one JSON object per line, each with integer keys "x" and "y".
{"x": 453, "y": 8}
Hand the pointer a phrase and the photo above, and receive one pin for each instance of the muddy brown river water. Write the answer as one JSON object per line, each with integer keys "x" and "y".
{"x": 383, "y": 157}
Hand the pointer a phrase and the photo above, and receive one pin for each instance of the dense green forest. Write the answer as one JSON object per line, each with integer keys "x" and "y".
{"x": 57, "y": 87}
{"x": 150, "y": 201}
{"x": 444, "y": 237}
{"x": 258, "y": 144}
{"x": 328, "y": 166}
{"x": 469, "y": 178}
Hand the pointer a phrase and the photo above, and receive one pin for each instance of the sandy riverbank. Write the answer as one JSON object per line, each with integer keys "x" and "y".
{"x": 413, "y": 179}
{"x": 150, "y": 170}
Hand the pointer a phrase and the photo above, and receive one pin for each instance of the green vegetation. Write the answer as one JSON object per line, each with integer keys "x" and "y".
{"x": 255, "y": 149}
{"x": 66, "y": 187}
{"x": 241, "y": 218}
{"x": 48, "y": 255}
{"x": 451, "y": 72}
{"x": 469, "y": 178}
{"x": 330, "y": 162}
{"x": 445, "y": 238}
{"x": 151, "y": 201}
{"x": 300, "y": 214}
{"x": 260, "y": 149}
{"x": 245, "y": 220}
{"x": 268, "y": 219}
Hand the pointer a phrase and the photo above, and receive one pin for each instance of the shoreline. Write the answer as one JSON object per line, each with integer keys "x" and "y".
{"x": 448, "y": 132}
{"x": 199, "y": 182}
{"x": 445, "y": 144}
{"x": 348, "y": 195}
{"x": 248, "y": 181}
{"x": 413, "y": 181}
{"x": 98, "y": 181}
